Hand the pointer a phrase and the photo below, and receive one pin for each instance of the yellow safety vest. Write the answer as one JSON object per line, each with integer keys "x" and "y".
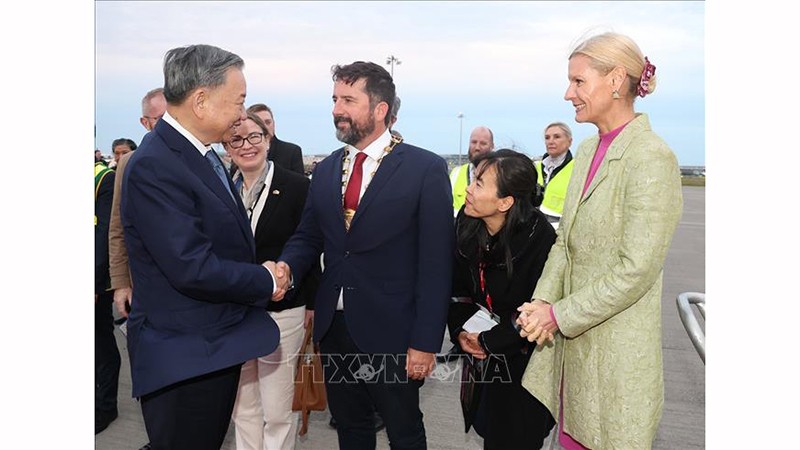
{"x": 556, "y": 190}
{"x": 459, "y": 181}
{"x": 100, "y": 172}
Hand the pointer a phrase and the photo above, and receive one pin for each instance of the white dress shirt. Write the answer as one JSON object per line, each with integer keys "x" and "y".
{"x": 549, "y": 164}
{"x": 374, "y": 151}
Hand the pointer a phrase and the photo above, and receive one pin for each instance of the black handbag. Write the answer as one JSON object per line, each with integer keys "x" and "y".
{"x": 472, "y": 373}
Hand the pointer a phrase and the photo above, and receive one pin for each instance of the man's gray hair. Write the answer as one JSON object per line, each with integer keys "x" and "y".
{"x": 150, "y": 95}
{"x": 188, "y": 68}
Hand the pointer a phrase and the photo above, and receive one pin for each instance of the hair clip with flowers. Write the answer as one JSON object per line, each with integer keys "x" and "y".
{"x": 647, "y": 73}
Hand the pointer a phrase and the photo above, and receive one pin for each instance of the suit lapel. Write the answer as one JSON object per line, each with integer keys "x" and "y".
{"x": 202, "y": 169}
{"x": 211, "y": 180}
{"x": 579, "y": 173}
{"x": 615, "y": 152}
{"x": 333, "y": 186}
{"x": 386, "y": 169}
{"x": 274, "y": 196}
{"x": 601, "y": 174}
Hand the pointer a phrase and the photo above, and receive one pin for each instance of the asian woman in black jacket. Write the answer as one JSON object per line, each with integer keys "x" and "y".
{"x": 502, "y": 245}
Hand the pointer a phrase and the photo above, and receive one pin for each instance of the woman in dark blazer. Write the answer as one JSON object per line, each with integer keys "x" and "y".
{"x": 273, "y": 198}
{"x": 502, "y": 245}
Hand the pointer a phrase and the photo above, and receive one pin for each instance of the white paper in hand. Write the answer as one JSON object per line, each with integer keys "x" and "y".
{"x": 481, "y": 321}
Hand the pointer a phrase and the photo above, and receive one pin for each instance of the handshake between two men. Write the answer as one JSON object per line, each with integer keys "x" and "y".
{"x": 283, "y": 278}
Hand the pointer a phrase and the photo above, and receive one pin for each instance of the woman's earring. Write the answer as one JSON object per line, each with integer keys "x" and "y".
{"x": 615, "y": 94}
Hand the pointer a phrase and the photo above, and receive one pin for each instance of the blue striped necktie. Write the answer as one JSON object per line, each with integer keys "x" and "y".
{"x": 213, "y": 159}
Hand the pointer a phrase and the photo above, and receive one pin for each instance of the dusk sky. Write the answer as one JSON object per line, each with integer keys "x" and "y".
{"x": 501, "y": 64}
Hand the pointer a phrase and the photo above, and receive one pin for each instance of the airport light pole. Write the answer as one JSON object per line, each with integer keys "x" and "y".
{"x": 391, "y": 61}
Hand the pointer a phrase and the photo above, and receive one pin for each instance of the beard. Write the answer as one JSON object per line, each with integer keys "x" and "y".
{"x": 472, "y": 156}
{"x": 356, "y": 132}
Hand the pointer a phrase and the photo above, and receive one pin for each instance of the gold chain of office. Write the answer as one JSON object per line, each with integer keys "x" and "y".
{"x": 349, "y": 213}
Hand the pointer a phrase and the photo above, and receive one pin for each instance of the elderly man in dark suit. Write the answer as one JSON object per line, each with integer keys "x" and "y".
{"x": 285, "y": 154}
{"x": 380, "y": 210}
{"x": 200, "y": 298}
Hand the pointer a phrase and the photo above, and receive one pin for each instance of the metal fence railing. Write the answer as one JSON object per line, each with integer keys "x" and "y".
{"x": 689, "y": 319}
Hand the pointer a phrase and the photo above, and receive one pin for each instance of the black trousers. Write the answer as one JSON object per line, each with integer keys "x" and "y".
{"x": 509, "y": 417}
{"x": 193, "y": 414}
{"x": 357, "y": 384}
{"x": 106, "y": 355}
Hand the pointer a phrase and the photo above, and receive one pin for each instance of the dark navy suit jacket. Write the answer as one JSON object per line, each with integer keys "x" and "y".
{"x": 199, "y": 298}
{"x": 287, "y": 155}
{"x": 395, "y": 263}
{"x": 282, "y": 212}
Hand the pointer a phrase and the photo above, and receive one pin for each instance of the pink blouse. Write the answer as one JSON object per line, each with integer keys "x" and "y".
{"x": 600, "y": 153}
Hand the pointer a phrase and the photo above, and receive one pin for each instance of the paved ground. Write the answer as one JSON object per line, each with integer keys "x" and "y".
{"x": 683, "y": 423}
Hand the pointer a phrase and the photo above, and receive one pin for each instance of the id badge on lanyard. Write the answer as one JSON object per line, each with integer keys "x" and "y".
{"x": 490, "y": 310}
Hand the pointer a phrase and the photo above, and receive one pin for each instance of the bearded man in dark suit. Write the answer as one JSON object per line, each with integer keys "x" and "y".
{"x": 381, "y": 212}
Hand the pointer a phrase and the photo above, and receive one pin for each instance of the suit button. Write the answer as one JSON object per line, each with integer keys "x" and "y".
{"x": 346, "y": 254}
{"x": 336, "y": 287}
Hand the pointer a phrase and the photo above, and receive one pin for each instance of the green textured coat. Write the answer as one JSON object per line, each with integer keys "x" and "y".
{"x": 603, "y": 277}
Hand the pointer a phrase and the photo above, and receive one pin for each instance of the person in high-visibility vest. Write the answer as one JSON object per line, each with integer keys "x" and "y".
{"x": 481, "y": 141}
{"x": 555, "y": 168}
{"x": 107, "y": 361}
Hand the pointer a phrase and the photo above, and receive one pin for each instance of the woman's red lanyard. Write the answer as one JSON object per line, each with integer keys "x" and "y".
{"x": 481, "y": 270}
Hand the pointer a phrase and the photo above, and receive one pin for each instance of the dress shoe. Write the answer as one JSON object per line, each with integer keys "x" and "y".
{"x": 102, "y": 419}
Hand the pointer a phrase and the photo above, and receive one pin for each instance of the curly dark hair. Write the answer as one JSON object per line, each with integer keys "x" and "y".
{"x": 379, "y": 84}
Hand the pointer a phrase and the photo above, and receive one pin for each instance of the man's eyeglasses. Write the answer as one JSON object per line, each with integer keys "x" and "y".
{"x": 153, "y": 118}
{"x": 252, "y": 138}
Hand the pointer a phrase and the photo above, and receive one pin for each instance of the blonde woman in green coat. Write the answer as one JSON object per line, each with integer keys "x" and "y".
{"x": 598, "y": 300}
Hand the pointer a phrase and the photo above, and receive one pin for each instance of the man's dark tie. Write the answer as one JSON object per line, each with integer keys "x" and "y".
{"x": 353, "y": 191}
{"x": 213, "y": 159}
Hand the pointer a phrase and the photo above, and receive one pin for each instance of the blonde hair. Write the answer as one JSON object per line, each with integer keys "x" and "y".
{"x": 609, "y": 50}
